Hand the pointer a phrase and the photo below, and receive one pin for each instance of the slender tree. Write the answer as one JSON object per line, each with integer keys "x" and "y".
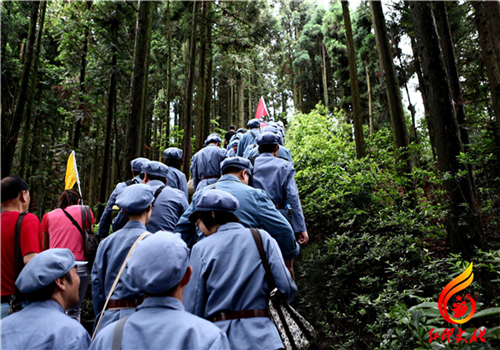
{"x": 398, "y": 123}
{"x": 9, "y": 141}
{"x": 200, "y": 96}
{"x": 188, "y": 96}
{"x": 463, "y": 227}
{"x": 135, "y": 117}
{"x": 353, "y": 77}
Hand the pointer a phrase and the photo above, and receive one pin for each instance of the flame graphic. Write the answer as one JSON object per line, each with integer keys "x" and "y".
{"x": 459, "y": 283}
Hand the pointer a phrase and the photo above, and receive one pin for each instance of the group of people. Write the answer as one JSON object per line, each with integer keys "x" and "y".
{"x": 173, "y": 274}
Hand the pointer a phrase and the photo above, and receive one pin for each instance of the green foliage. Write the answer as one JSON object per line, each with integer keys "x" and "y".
{"x": 373, "y": 247}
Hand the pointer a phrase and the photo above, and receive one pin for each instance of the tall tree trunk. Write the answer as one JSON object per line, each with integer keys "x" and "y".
{"x": 463, "y": 227}
{"x": 398, "y": 122}
{"x": 241, "y": 103}
{"x": 10, "y": 140}
{"x": 487, "y": 15}
{"x": 208, "y": 86}
{"x": 83, "y": 66}
{"x": 353, "y": 77}
{"x": 169, "y": 80}
{"x": 188, "y": 97}
{"x": 323, "y": 71}
{"x": 451, "y": 68}
{"x": 107, "y": 141}
{"x": 33, "y": 83}
{"x": 231, "y": 104}
{"x": 249, "y": 104}
{"x": 200, "y": 96}
{"x": 370, "y": 102}
{"x": 135, "y": 117}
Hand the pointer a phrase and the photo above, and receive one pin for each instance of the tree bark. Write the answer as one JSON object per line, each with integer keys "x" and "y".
{"x": 208, "y": 86}
{"x": 200, "y": 96}
{"x": 10, "y": 140}
{"x": 451, "y": 67}
{"x": 370, "y": 103}
{"x": 353, "y": 77}
{"x": 463, "y": 227}
{"x": 135, "y": 117}
{"x": 188, "y": 97}
{"x": 323, "y": 66}
{"x": 398, "y": 122}
{"x": 33, "y": 83}
{"x": 241, "y": 102}
{"x": 487, "y": 16}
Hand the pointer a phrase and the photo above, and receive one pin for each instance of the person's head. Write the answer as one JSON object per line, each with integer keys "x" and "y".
{"x": 67, "y": 198}
{"x": 232, "y": 127}
{"x": 274, "y": 130}
{"x": 213, "y": 139}
{"x": 154, "y": 170}
{"x": 159, "y": 266}
{"x": 240, "y": 167}
{"x": 241, "y": 131}
{"x": 51, "y": 274}
{"x": 136, "y": 166}
{"x": 268, "y": 142}
{"x": 254, "y": 124}
{"x": 136, "y": 201}
{"x": 15, "y": 190}
{"x": 172, "y": 156}
{"x": 212, "y": 209}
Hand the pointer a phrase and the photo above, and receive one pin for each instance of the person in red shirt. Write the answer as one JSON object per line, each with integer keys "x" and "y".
{"x": 62, "y": 233}
{"x": 15, "y": 197}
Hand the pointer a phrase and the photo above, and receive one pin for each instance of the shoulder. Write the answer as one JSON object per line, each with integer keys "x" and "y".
{"x": 31, "y": 218}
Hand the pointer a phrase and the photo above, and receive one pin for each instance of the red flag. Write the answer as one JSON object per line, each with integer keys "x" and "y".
{"x": 261, "y": 109}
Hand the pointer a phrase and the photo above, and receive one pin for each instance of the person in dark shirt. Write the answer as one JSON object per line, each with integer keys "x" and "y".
{"x": 229, "y": 134}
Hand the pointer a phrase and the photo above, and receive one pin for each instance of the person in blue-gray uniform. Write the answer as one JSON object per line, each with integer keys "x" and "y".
{"x": 136, "y": 202}
{"x": 50, "y": 282}
{"x": 256, "y": 209}
{"x": 205, "y": 165}
{"x": 277, "y": 177}
{"x": 283, "y": 152}
{"x": 239, "y": 134}
{"x": 249, "y": 138}
{"x": 159, "y": 268}
{"x": 169, "y": 204}
{"x": 228, "y": 286}
{"x": 105, "y": 221}
{"x": 233, "y": 147}
{"x": 172, "y": 157}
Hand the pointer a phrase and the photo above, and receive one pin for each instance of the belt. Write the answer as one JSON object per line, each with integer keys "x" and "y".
{"x": 210, "y": 177}
{"x": 6, "y": 298}
{"x": 124, "y": 303}
{"x": 234, "y": 315}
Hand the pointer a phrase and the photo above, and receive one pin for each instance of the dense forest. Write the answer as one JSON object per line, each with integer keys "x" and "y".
{"x": 397, "y": 202}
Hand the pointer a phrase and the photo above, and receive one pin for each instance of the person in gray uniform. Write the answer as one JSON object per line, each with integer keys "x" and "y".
{"x": 172, "y": 157}
{"x": 205, "y": 165}
{"x": 249, "y": 138}
{"x": 50, "y": 282}
{"x": 159, "y": 268}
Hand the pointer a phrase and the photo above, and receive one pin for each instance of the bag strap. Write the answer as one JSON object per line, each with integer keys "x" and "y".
{"x": 157, "y": 193}
{"x": 19, "y": 263}
{"x": 118, "y": 334}
{"x": 258, "y": 241}
{"x": 117, "y": 279}
{"x": 73, "y": 221}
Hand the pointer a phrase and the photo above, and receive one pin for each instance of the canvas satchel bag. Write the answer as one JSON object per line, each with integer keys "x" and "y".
{"x": 295, "y": 332}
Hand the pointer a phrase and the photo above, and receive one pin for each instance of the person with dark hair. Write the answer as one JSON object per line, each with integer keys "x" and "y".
{"x": 239, "y": 134}
{"x": 249, "y": 138}
{"x": 105, "y": 221}
{"x": 63, "y": 233}
{"x": 172, "y": 157}
{"x": 228, "y": 135}
{"x": 205, "y": 165}
{"x": 159, "y": 267}
{"x": 169, "y": 204}
{"x": 255, "y": 209}
{"x": 15, "y": 203}
{"x": 136, "y": 202}
{"x": 50, "y": 282}
{"x": 277, "y": 177}
{"x": 228, "y": 285}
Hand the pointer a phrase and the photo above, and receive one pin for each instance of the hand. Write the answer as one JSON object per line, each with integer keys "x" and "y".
{"x": 289, "y": 266}
{"x": 303, "y": 238}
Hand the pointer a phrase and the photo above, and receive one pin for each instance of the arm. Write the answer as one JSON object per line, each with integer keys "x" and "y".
{"x": 194, "y": 294}
{"x": 45, "y": 230}
{"x": 241, "y": 146}
{"x": 31, "y": 237}
{"x": 98, "y": 296}
{"x": 292, "y": 195}
{"x": 194, "y": 172}
{"x": 272, "y": 221}
{"x": 279, "y": 270}
{"x": 105, "y": 222}
{"x": 185, "y": 227}
{"x": 183, "y": 185}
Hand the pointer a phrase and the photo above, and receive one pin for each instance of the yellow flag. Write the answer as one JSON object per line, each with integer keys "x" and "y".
{"x": 71, "y": 172}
